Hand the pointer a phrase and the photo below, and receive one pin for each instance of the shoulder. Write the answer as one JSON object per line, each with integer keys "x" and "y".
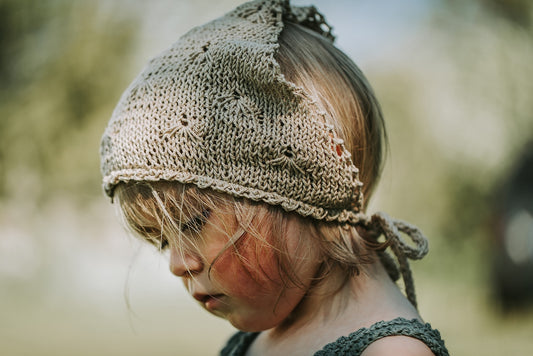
{"x": 397, "y": 346}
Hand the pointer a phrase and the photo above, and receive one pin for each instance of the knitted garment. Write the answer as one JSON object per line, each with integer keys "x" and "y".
{"x": 355, "y": 343}
{"x": 216, "y": 111}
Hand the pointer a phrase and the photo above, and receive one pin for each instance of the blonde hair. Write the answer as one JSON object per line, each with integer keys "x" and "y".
{"x": 155, "y": 209}
{"x": 332, "y": 78}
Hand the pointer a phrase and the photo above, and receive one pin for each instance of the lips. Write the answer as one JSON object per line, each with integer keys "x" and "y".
{"x": 210, "y": 302}
{"x": 205, "y": 298}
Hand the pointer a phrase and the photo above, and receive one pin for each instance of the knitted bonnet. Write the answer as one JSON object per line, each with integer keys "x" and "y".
{"x": 215, "y": 110}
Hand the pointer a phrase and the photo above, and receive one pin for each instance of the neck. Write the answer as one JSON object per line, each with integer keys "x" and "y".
{"x": 362, "y": 300}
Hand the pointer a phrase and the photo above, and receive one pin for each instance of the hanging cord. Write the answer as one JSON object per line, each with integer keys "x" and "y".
{"x": 382, "y": 224}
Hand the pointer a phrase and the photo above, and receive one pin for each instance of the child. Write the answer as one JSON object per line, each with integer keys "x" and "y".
{"x": 246, "y": 150}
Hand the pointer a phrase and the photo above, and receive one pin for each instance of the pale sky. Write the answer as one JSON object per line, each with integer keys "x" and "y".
{"x": 367, "y": 30}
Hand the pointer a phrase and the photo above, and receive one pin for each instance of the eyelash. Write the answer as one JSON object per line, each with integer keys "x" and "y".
{"x": 195, "y": 224}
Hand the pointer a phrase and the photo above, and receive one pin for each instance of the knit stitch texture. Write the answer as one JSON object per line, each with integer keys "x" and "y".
{"x": 216, "y": 111}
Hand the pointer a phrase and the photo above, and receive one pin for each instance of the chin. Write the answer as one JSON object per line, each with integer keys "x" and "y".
{"x": 254, "y": 325}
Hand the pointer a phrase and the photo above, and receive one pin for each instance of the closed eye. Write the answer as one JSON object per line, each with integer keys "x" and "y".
{"x": 196, "y": 223}
{"x": 163, "y": 245}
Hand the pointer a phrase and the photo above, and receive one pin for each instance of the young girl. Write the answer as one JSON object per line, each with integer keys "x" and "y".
{"x": 245, "y": 150}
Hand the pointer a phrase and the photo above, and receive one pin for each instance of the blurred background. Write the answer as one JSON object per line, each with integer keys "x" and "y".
{"x": 455, "y": 82}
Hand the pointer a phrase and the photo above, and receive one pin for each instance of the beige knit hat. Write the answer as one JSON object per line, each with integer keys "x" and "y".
{"x": 215, "y": 110}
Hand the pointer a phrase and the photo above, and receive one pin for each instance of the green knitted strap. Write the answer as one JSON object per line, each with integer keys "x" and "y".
{"x": 238, "y": 344}
{"x": 355, "y": 343}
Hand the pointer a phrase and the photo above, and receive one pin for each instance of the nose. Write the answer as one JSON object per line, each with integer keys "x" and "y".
{"x": 184, "y": 263}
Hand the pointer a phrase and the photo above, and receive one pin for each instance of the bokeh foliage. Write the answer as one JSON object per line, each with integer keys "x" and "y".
{"x": 62, "y": 65}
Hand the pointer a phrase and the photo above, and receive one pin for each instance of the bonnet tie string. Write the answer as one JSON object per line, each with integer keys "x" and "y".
{"x": 382, "y": 224}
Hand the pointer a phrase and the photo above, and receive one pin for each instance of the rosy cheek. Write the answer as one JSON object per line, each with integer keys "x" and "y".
{"x": 251, "y": 269}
